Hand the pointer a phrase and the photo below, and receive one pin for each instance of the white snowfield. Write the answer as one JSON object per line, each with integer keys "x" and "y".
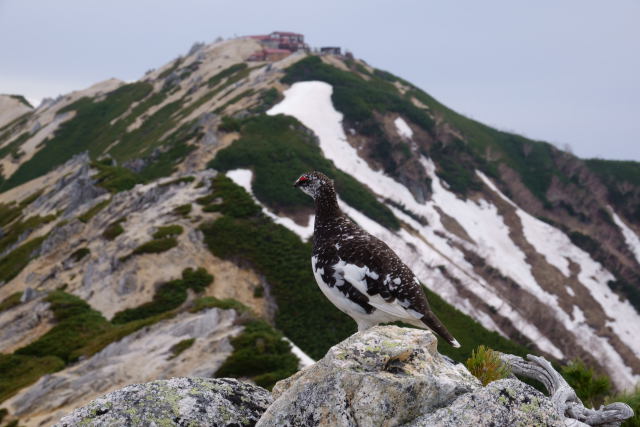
{"x": 310, "y": 103}
{"x": 403, "y": 128}
{"x": 632, "y": 239}
{"x": 243, "y": 178}
{"x": 303, "y": 357}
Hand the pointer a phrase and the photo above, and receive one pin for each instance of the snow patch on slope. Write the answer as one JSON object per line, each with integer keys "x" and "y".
{"x": 632, "y": 239}
{"x": 558, "y": 250}
{"x": 417, "y": 253}
{"x": 431, "y": 247}
{"x": 243, "y": 178}
{"x": 303, "y": 357}
{"x": 403, "y": 128}
{"x": 542, "y": 236}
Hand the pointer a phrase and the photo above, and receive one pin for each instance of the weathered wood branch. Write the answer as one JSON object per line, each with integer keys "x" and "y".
{"x": 563, "y": 396}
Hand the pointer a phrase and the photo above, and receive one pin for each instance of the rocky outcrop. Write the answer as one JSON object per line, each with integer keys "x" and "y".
{"x": 24, "y": 323}
{"x": 385, "y": 376}
{"x": 73, "y": 190}
{"x": 508, "y": 402}
{"x": 142, "y": 356}
{"x": 390, "y": 376}
{"x": 178, "y": 401}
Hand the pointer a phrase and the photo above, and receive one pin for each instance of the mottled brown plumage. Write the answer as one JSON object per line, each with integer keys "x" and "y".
{"x": 358, "y": 272}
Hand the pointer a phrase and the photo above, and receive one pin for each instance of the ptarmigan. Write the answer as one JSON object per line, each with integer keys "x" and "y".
{"x": 359, "y": 273}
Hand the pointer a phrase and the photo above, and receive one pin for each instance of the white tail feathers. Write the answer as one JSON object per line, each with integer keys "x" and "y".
{"x": 455, "y": 343}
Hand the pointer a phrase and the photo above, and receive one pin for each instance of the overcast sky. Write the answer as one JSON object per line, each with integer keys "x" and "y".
{"x": 563, "y": 71}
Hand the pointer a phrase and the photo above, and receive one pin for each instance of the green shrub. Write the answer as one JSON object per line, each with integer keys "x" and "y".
{"x": 229, "y": 124}
{"x": 79, "y": 254}
{"x": 19, "y": 371}
{"x": 238, "y": 203}
{"x": 168, "y": 296}
{"x": 174, "y": 66}
{"x": 115, "y": 178}
{"x": 224, "y": 304}
{"x": 30, "y": 199}
{"x": 13, "y": 263}
{"x": 76, "y": 321}
{"x": 632, "y": 293}
{"x": 93, "y": 211}
{"x": 9, "y": 212}
{"x": 268, "y": 98}
{"x": 175, "y": 148}
{"x": 11, "y": 301}
{"x": 22, "y": 100}
{"x": 457, "y": 167}
{"x": 485, "y": 365}
{"x": 197, "y": 280}
{"x": 233, "y": 100}
{"x": 168, "y": 231}
{"x": 114, "y": 229}
{"x": 116, "y": 332}
{"x": 590, "y": 387}
{"x": 156, "y": 246}
{"x": 18, "y": 229}
{"x": 622, "y": 178}
{"x": 180, "y": 347}
{"x": 261, "y": 354}
{"x": 183, "y": 210}
{"x": 227, "y": 72}
{"x": 13, "y": 148}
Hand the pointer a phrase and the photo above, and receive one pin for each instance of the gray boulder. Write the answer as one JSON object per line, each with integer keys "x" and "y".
{"x": 385, "y": 376}
{"x": 507, "y": 402}
{"x": 178, "y": 401}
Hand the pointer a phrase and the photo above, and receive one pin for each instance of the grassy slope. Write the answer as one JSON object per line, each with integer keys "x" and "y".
{"x": 278, "y": 149}
{"x": 357, "y": 99}
{"x": 617, "y": 175}
{"x": 81, "y": 331}
{"x": 98, "y": 124}
{"x": 88, "y": 130}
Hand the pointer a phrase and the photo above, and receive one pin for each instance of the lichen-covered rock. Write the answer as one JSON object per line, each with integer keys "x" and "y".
{"x": 385, "y": 376}
{"x": 501, "y": 403}
{"x": 178, "y": 401}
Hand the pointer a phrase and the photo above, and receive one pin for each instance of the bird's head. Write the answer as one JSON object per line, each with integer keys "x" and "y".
{"x": 314, "y": 184}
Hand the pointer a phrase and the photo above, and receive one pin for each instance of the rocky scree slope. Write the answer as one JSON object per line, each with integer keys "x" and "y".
{"x": 109, "y": 194}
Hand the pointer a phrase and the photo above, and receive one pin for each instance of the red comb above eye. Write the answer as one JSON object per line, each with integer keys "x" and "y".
{"x": 303, "y": 179}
